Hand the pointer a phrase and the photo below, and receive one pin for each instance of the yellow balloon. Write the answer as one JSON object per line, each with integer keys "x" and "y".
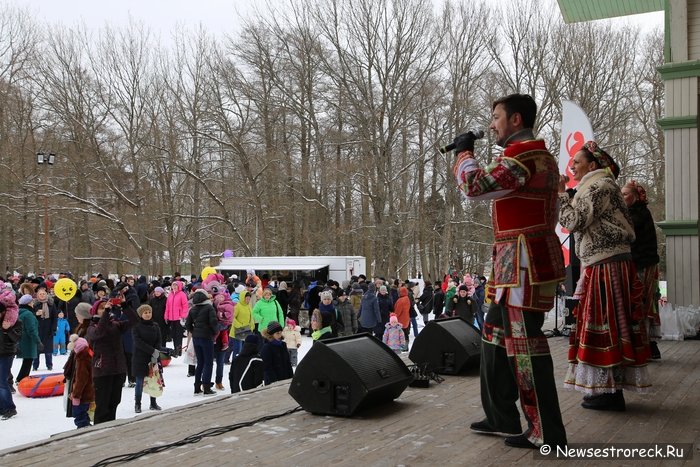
{"x": 206, "y": 271}
{"x": 65, "y": 289}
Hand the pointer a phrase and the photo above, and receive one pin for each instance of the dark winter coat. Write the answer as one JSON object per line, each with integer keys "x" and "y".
{"x": 644, "y": 246}
{"x": 247, "y": 369}
{"x": 132, "y": 300}
{"x": 30, "y": 333}
{"x": 426, "y": 300}
{"x": 438, "y": 302}
{"x": 9, "y": 339}
{"x": 158, "y": 306}
{"x": 348, "y": 317}
{"x": 369, "y": 309}
{"x": 47, "y": 326}
{"x": 386, "y": 306}
{"x": 142, "y": 289}
{"x": 283, "y": 299}
{"x": 201, "y": 320}
{"x": 276, "y": 361}
{"x": 146, "y": 340}
{"x": 105, "y": 338}
{"x": 464, "y": 307}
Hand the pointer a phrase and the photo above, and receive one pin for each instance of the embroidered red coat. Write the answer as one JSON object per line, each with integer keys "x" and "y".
{"x": 524, "y": 184}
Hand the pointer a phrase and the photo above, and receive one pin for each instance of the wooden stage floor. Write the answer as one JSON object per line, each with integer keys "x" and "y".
{"x": 422, "y": 427}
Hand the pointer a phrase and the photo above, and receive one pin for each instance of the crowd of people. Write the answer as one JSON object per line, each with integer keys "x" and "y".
{"x": 117, "y": 332}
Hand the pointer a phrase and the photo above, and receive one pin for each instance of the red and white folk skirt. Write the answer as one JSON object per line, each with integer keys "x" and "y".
{"x": 609, "y": 347}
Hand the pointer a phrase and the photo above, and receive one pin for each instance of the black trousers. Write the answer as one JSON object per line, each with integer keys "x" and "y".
{"x": 108, "y": 395}
{"x": 516, "y": 364}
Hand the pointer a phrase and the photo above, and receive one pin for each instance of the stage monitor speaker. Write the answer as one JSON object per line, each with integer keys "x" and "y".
{"x": 343, "y": 375}
{"x": 447, "y": 346}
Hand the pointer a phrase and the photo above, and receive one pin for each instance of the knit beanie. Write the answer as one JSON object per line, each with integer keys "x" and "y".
{"x": 252, "y": 339}
{"x": 140, "y": 310}
{"x": 393, "y": 319}
{"x": 273, "y": 327}
{"x": 160, "y": 290}
{"x": 291, "y": 322}
{"x": 200, "y": 296}
{"x": 383, "y": 289}
{"x": 463, "y": 287}
{"x": 25, "y": 299}
{"x": 326, "y": 295}
{"x": 82, "y": 310}
{"x": 80, "y": 344}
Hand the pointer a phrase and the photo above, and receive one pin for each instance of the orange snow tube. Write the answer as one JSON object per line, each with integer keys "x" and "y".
{"x": 47, "y": 385}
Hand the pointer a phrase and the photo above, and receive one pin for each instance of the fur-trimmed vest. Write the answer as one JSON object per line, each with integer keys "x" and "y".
{"x": 598, "y": 218}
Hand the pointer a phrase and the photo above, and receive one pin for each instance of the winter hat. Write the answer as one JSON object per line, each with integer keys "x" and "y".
{"x": 252, "y": 339}
{"x": 340, "y": 293}
{"x": 8, "y": 298}
{"x": 356, "y": 286}
{"x": 326, "y": 295}
{"x": 96, "y": 305}
{"x": 383, "y": 289}
{"x": 25, "y": 299}
{"x": 80, "y": 344}
{"x": 463, "y": 287}
{"x": 239, "y": 289}
{"x": 291, "y": 322}
{"x": 273, "y": 327}
{"x": 140, "y": 310}
{"x": 160, "y": 290}
{"x": 200, "y": 296}
{"x": 393, "y": 319}
{"x": 82, "y": 310}
{"x": 283, "y": 286}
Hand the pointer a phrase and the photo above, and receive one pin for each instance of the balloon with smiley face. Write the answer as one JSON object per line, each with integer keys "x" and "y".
{"x": 65, "y": 289}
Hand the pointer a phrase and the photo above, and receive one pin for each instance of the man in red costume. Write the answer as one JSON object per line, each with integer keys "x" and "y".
{"x": 528, "y": 264}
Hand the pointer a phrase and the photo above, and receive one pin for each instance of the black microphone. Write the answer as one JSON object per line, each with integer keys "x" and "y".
{"x": 461, "y": 139}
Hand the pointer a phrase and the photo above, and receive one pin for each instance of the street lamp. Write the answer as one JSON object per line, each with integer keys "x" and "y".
{"x": 48, "y": 159}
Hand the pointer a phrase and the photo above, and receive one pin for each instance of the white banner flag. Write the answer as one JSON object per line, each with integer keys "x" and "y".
{"x": 575, "y": 131}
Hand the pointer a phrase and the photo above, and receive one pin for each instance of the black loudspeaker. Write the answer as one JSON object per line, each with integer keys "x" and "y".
{"x": 343, "y": 375}
{"x": 447, "y": 346}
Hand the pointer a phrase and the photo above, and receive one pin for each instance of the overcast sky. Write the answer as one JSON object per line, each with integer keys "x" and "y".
{"x": 162, "y": 16}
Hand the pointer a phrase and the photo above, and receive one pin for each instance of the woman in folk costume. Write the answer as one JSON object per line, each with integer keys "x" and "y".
{"x": 645, "y": 256}
{"x": 609, "y": 348}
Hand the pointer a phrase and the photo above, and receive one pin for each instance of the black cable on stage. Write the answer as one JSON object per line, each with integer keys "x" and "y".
{"x": 195, "y": 438}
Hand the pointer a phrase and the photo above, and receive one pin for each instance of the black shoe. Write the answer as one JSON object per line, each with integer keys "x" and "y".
{"x": 655, "y": 352}
{"x": 519, "y": 441}
{"x": 12, "y": 389}
{"x": 484, "y": 428}
{"x": 155, "y": 406}
{"x": 613, "y": 402}
{"x": 197, "y": 389}
{"x": 208, "y": 391}
{"x": 132, "y": 384}
{"x": 9, "y": 414}
{"x": 137, "y": 407}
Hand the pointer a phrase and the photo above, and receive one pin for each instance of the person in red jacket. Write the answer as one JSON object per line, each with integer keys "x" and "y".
{"x": 528, "y": 264}
{"x": 176, "y": 309}
{"x": 402, "y": 308}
